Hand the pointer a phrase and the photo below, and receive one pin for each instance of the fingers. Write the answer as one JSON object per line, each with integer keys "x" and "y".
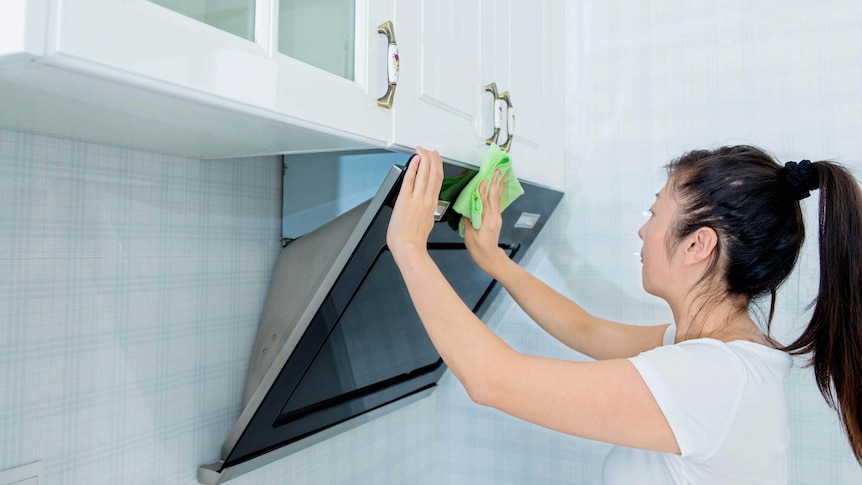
{"x": 435, "y": 175}
{"x": 493, "y": 204}
{"x": 492, "y": 196}
{"x": 429, "y": 176}
{"x": 423, "y": 170}
{"x": 485, "y": 195}
{"x": 406, "y": 190}
{"x": 438, "y": 174}
{"x": 501, "y": 188}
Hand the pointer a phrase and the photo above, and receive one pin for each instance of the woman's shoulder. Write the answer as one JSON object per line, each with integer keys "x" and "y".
{"x": 695, "y": 355}
{"x": 711, "y": 358}
{"x": 739, "y": 348}
{"x": 736, "y": 361}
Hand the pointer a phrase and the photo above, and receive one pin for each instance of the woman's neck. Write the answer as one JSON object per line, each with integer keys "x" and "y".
{"x": 726, "y": 319}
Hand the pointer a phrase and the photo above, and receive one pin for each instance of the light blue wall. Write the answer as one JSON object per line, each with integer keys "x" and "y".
{"x": 131, "y": 286}
{"x": 318, "y": 187}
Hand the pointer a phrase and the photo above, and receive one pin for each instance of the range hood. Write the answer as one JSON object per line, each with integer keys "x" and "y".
{"x": 339, "y": 342}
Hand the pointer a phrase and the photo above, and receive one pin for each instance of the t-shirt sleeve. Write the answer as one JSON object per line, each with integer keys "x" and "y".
{"x": 698, "y": 385}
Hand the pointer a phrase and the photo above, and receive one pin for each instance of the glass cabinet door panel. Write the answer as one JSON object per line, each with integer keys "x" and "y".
{"x": 234, "y": 16}
{"x": 320, "y": 33}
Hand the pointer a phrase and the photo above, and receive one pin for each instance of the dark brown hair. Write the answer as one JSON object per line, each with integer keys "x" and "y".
{"x": 743, "y": 194}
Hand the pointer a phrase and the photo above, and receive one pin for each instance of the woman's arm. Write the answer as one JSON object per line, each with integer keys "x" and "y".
{"x": 606, "y": 400}
{"x": 567, "y": 321}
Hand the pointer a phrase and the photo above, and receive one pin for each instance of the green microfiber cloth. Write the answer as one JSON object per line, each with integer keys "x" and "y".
{"x": 449, "y": 191}
{"x": 469, "y": 202}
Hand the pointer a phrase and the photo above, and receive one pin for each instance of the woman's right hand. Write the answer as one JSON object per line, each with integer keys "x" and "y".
{"x": 483, "y": 244}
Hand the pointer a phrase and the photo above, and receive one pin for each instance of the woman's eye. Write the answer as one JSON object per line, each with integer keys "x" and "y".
{"x": 648, "y": 213}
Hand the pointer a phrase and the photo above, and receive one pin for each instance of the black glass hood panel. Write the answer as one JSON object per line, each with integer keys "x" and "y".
{"x": 351, "y": 341}
{"x": 378, "y": 339}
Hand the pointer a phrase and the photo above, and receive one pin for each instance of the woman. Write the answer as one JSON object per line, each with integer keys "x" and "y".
{"x": 700, "y": 400}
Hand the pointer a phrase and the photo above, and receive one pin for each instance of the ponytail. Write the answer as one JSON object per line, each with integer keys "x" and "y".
{"x": 834, "y": 335}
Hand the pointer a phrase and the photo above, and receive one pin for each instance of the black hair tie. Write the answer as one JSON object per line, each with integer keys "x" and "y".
{"x": 801, "y": 178}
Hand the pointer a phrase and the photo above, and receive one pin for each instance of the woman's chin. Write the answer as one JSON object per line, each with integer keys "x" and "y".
{"x": 648, "y": 287}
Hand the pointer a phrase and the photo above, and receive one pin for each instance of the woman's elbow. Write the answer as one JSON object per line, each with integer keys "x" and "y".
{"x": 486, "y": 378}
{"x": 487, "y": 384}
{"x": 480, "y": 392}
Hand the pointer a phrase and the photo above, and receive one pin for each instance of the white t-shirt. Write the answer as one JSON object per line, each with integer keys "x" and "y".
{"x": 726, "y": 405}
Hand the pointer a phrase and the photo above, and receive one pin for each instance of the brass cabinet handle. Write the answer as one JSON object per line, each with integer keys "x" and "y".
{"x": 498, "y": 113}
{"x": 393, "y": 65}
{"x": 510, "y": 126}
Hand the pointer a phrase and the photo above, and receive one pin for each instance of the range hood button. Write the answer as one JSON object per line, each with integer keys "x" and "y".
{"x": 527, "y": 220}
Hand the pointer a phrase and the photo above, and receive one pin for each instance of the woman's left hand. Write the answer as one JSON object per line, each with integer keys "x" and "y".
{"x": 413, "y": 216}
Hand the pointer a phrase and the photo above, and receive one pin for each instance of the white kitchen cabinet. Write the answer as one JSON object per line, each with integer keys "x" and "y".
{"x": 452, "y": 50}
{"x": 155, "y": 42}
{"x": 159, "y": 67}
{"x": 228, "y": 78}
{"x": 144, "y": 41}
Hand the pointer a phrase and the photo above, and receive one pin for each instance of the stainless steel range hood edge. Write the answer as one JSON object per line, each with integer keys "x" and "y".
{"x": 210, "y": 474}
{"x": 320, "y": 294}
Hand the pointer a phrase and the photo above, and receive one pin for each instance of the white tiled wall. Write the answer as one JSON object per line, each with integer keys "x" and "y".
{"x": 131, "y": 286}
{"x": 647, "y": 81}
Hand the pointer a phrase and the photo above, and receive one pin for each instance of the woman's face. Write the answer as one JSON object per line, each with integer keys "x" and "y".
{"x": 656, "y": 272}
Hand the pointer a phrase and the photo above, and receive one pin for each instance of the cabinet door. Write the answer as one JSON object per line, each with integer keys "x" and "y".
{"x": 439, "y": 90}
{"x": 145, "y": 41}
{"x": 229, "y": 52}
{"x": 332, "y": 64}
{"x": 522, "y": 53}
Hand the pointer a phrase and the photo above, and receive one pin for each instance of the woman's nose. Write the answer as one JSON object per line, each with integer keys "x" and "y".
{"x": 641, "y": 232}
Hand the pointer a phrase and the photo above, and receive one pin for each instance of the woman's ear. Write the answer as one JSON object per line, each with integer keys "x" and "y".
{"x": 700, "y": 245}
